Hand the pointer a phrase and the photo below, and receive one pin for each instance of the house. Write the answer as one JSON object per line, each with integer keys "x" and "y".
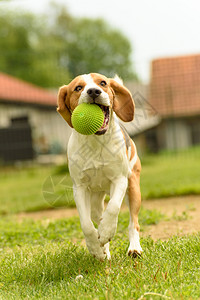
{"x": 29, "y": 123}
{"x": 146, "y": 119}
{"x": 175, "y": 95}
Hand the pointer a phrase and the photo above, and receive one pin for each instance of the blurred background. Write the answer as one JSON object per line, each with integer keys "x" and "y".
{"x": 153, "y": 46}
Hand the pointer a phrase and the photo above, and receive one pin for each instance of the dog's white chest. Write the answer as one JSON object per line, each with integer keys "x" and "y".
{"x": 95, "y": 161}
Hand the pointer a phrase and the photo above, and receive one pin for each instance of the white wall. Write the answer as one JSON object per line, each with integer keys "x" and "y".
{"x": 46, "y": 123}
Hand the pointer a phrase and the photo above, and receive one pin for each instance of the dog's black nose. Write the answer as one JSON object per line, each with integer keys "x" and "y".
{"x": 93, "y": 92}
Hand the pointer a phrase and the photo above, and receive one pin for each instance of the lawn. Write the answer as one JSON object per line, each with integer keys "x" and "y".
{"x": 22, "y": 189}
{"x": 38, "y": 188}
{"x": 46, "y": 259}
{"x": 171, "y": 174}
{"x": 39, "y": 260}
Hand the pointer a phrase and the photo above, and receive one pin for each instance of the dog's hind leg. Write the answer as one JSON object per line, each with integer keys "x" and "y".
{"x": 134, "y": 203}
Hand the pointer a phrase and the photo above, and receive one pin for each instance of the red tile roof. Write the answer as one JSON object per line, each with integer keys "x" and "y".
{"x": 175, "y": 86}
{"x": 17, "y": 90}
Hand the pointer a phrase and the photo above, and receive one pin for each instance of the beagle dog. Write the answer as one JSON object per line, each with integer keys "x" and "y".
{"x": 104, "y": 163}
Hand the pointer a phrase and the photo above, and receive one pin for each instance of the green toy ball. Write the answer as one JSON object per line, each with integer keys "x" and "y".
{"x": 87, "y": 118}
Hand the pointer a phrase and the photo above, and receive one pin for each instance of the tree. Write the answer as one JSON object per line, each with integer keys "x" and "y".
{"x": 51, "y": 50}
{"x": 92, "y": 46}
{"x": 24, "y": 50}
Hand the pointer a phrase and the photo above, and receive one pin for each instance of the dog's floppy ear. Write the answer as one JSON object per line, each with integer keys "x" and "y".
{"x": 123, "y": 104}
{"x": 62, "y": 108}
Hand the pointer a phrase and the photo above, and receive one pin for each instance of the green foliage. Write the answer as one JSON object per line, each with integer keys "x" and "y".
{"x": 39, "y": 261}
{"x": 98, "y": 48}
{"x": 26, "y": 49}
{"x": 50, "y": 50}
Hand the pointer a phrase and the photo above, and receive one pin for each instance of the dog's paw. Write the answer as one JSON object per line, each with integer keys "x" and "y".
{"x": 135, "y": 251}
{"x": 106, "y": 230}
{"x": 100, "y": 255}
{"x": 96, "y": 250}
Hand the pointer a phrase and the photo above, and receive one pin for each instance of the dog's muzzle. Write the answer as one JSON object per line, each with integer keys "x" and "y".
{"x": 95, "y": 94}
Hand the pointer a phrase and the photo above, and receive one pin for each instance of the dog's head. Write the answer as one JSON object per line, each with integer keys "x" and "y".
{"x": 109, "y": 94}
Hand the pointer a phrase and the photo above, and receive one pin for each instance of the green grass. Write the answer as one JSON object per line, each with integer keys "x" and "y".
{"x": 31, "y": 189}
{"x": 171, "y": 174}
{"x": 24, "y": 189}
{"x": 39, "y": 261}
{"x": 42, "y": 259}
{"x": 32, "y": 232}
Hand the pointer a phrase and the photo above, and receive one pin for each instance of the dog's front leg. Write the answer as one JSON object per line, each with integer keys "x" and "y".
{"x": 82, "y": 198}
{"x": 108, "y": 224}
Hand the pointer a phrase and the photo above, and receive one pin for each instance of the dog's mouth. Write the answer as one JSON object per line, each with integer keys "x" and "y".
{"x": 105, "y": 125}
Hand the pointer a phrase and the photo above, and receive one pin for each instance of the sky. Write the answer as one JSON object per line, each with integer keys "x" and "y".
{"x": 155, "y": 28}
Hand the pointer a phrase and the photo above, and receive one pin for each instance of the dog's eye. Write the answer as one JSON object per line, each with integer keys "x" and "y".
{"x": 103, "y": 83}
{"x": 78, "y": 88}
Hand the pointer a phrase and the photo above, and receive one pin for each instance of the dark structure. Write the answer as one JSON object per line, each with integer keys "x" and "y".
{"x": 16, "y": 141}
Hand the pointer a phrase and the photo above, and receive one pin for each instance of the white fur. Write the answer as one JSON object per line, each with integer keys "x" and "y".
{"x": 134, "y": 239}
{"x": 98, "y": 166}
{"x": 84, "y": 98}
{"x": 118, "y": 79}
